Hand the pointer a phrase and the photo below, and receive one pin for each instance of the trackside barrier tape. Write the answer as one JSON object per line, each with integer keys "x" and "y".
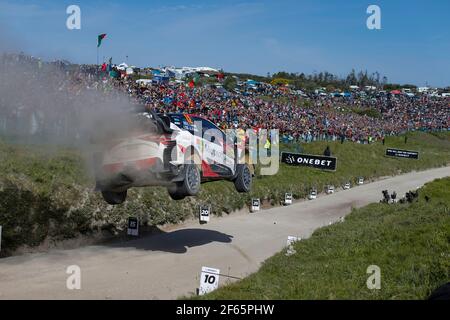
{"x": 209, "y": 280}
{"x": 224, "y": 275}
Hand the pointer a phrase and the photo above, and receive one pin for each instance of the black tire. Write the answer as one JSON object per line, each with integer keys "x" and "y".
{"x": 190, "y": 186}
{"x": 243, "y": 181}
{"x": 114, "y": 198}
{"x": 175, "y": 194}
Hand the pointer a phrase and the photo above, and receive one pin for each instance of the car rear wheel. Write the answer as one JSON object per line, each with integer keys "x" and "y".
{"x": 243, "y": 181}
{"x": 190, "y": 186}
{"x": 114, "y": 198}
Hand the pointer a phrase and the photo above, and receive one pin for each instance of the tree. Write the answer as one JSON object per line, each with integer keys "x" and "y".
{"x": 230, "y": 83}
{"x": 330, "y": 88}
{"x": 322, "y": 79}
{"x": 280, "y": 81}
{"x": 351, "y": 78}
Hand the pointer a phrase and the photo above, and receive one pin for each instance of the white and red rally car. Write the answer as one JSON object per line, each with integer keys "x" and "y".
{"x": 178, "y": 151}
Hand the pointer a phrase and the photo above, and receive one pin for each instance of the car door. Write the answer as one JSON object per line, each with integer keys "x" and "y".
{"x": 214, "y": 149}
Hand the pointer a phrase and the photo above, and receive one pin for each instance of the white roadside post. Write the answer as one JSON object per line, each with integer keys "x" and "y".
{"x": 290, "y": 245}
{"x": 288, "y": 198}
{"x": 256, "y": 205}
{"x": 330, "y": 189}
{"x": 312, "y": 194}
{"x": 204, "y": 214}
{"x": 209, "y": 280}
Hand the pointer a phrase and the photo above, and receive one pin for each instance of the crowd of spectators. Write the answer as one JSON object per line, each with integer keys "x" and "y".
{"x": 298, "y": 117}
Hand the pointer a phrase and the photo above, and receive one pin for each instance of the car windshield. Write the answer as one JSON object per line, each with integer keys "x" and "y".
{"x": 182, "y": 122}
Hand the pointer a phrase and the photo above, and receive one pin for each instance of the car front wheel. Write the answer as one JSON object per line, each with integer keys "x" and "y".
{"x": 243, "y": 181}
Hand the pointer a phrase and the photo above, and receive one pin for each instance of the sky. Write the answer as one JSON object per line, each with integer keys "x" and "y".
{"x": 243, "y": 36}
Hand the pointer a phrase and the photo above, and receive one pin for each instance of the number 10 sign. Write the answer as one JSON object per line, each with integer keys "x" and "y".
{"x": 209, "y": 280}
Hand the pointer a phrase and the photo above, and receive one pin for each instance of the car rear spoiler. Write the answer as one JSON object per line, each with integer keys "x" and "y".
{"x": 165, "y": 127}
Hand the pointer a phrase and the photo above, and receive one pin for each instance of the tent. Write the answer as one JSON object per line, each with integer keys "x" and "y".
{"x": 251, "y": 82}
{"x": 160, "y": 79}
{"x": 396, "y": 92}
{"x": 122, "y": 66}
{"x": 143, "y": 81}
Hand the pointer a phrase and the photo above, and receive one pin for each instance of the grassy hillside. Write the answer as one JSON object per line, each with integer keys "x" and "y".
{"x": 409, "y": 242}
{"x": 47, "y": 194}
{"x": 355, "y": 160}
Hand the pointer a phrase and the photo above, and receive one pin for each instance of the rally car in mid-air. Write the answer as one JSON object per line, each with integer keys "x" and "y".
{"x": 177, "y": 151}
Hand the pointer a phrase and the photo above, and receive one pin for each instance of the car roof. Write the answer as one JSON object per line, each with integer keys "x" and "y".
{"x": 185, "y": 114}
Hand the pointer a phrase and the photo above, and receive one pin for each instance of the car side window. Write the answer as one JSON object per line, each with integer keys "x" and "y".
{"x": 208, "y": 125}
{"x": 176, "y": 120}
{"x": 181, "y": 122}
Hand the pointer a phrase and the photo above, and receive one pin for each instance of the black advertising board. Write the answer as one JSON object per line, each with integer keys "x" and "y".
{"x": 307, "y": 160}
{"x": 402, "y": 153}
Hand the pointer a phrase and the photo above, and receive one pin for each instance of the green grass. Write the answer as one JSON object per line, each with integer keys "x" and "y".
{"x": 46, "y": 193}
{"x": 409, "y": 242}
{"x": 354, "y": 160}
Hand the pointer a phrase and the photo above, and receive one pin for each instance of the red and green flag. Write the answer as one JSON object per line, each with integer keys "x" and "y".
{"x": 100, "y": 38}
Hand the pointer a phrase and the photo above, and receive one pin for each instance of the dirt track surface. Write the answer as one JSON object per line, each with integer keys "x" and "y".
{"x": 167, "y": 265}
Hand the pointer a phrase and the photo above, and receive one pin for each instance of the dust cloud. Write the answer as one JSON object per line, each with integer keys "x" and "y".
{"x": 59, "y": 104}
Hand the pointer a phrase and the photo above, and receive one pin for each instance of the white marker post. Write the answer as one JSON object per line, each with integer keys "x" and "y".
{"x": 256, "y": 205}
{"x": 133, "y": 227}
{"x": 347, "y": 186}
{"x": 288, "y": 199}
{"x": 209, "y": 280}
{"x": 204, "y": 214}
{"x": 360, "y": 180}
{"x": 330, "y": 189}
{"x": 290, "y": 245}
{"x": 312, "y": 194}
